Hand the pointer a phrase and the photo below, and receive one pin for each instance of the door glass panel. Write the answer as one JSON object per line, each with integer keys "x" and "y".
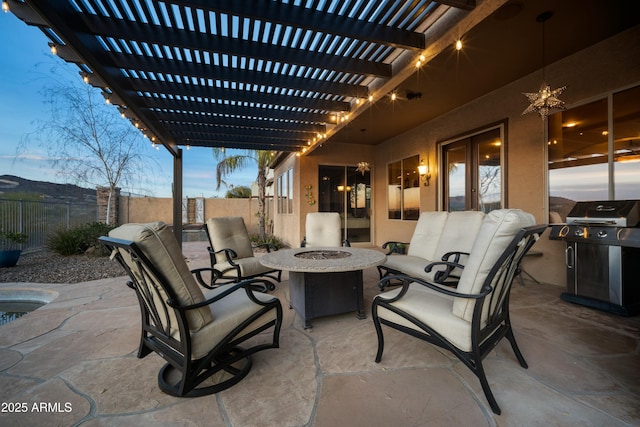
{"x": 474, "y": 172}
{"x": 489, "y": 185}
{"x": 358, "y": 218}
{"x": 456, "y": 190}
{"x": 344, "y": 190}
{"x": 626, "y": 136}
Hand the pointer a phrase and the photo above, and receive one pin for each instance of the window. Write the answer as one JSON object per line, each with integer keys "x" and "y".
{"x": 285, "y": 192}
{"x": 474, "y": 171}
{"x": 594, "y": 152}
{"x": 404, "y": 189}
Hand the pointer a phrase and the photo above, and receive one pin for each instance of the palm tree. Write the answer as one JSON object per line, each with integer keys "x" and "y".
{"x": 229, "y": 164}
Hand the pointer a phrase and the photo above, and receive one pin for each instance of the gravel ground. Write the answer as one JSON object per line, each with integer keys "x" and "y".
{"x": 48, "y": 267}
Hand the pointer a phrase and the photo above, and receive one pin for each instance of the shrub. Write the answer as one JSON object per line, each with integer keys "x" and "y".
{"x": 79, "y": 240}
{"x": 256, "y": 240}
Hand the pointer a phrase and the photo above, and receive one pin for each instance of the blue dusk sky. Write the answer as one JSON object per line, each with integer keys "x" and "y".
{"x": 25, "y": 64}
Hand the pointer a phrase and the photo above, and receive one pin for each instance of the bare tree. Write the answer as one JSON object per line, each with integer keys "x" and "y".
{"x": 88, "y": 142}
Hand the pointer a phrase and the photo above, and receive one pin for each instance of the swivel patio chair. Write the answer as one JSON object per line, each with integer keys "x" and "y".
{"x": 468, "y": 321}
{"x": 231, "y": 253}
{"x": 198, "y": 334}
{"x": 323, "y": 229}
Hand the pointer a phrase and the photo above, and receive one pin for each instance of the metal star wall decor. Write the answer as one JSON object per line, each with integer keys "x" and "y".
{"x": 544, "y": 100}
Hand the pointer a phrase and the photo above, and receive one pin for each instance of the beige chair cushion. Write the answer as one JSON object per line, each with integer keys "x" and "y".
{"x": 323, "y": 229}
{"x": 229, "y": 312}
{"x": 427, "y": 234}
{"x": 459, "y": 233}
{"x": 248, "y": 267}
{"x": 499, "y": 227}
{"x": 409, "y": 265}
{"x": 158, "y": 243}
{"x": 432, "y": 308}
{"x": 229, "y": 233}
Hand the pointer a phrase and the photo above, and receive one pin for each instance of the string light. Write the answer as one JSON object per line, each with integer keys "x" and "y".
{"x": 5, "y": 6}
{"x": 458, "y": 44}
{"x": 54, "y": 49}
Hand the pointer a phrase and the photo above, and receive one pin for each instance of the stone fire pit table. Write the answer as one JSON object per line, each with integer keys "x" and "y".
{"x": 324, "y": 281}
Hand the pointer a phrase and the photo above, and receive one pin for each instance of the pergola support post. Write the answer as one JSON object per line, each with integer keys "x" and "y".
{"x": 177, "y": 194}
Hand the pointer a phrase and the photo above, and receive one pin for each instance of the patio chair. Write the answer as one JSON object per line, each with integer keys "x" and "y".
{"x": 468, "y": 321}
{"x": 440, "y": 244}
{"x": 198, "y": 334}
{"x": 231, "y": 253}
{"x": 323, "y": 229}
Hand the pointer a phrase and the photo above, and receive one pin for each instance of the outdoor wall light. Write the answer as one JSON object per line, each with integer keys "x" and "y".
{"x": 424, "y": 172}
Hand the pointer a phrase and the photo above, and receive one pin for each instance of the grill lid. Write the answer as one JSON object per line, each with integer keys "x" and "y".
{"x": 613, "y": 213}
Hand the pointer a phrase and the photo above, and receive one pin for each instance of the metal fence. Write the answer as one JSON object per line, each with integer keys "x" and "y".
{"x": 38, "y": 219}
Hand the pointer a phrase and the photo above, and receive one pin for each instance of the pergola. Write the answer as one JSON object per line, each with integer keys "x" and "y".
{"x": 291, "y": 75}
{"x": 263, "y": 75}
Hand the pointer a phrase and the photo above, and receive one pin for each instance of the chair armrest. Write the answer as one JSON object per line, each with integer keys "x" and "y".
{"x": 395, "y": 247}
{"x": 455, "y": 254}
{"x": 228, "y": 289}
{"x": 448, "y": 264}
{"x": 445, "y": 274}
{"x": 229, "y": 253}
{"x": 407, "y": 280}
{"x": 215, "y": 274}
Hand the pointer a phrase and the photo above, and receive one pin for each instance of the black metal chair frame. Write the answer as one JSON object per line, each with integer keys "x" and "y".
{"x": 230, "y": 254}
{"x": 156, "y": 333}
{"x": 483, "y": 339}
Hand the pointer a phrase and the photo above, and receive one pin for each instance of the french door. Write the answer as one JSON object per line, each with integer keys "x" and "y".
{"x": 473, "y": 171}
{"x": 344, "y": 190}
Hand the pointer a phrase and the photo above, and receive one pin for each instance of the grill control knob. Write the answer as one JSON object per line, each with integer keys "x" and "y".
{"x": 579, "y": 232}
{"x": 602, "y": 234}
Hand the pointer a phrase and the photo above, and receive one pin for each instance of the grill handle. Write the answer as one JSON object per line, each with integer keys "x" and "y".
{"x": 568, "y": 257}
{"x": 593, "y": 222}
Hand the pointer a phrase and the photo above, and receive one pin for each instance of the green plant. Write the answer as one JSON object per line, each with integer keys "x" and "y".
{"x": 79, "y": 240}
{"x": 270, "y": 239}
{"x": 11, "y": 240}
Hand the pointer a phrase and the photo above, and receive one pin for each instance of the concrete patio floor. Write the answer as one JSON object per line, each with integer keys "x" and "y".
{"x": 76, "y": 355}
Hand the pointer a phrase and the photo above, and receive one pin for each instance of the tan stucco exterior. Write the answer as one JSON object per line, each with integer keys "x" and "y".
{"x": 148, "y": 209}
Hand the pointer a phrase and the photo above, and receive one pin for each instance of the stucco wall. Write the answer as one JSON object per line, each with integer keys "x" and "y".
{"x": 148, "y": 209}
{"x": 608, "y": 66}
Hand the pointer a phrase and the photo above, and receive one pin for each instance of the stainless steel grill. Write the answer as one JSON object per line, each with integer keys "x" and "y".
{"x": 602, "y": 255}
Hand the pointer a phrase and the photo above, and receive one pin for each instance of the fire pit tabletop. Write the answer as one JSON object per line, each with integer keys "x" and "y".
{"x": 323, "y": 259}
